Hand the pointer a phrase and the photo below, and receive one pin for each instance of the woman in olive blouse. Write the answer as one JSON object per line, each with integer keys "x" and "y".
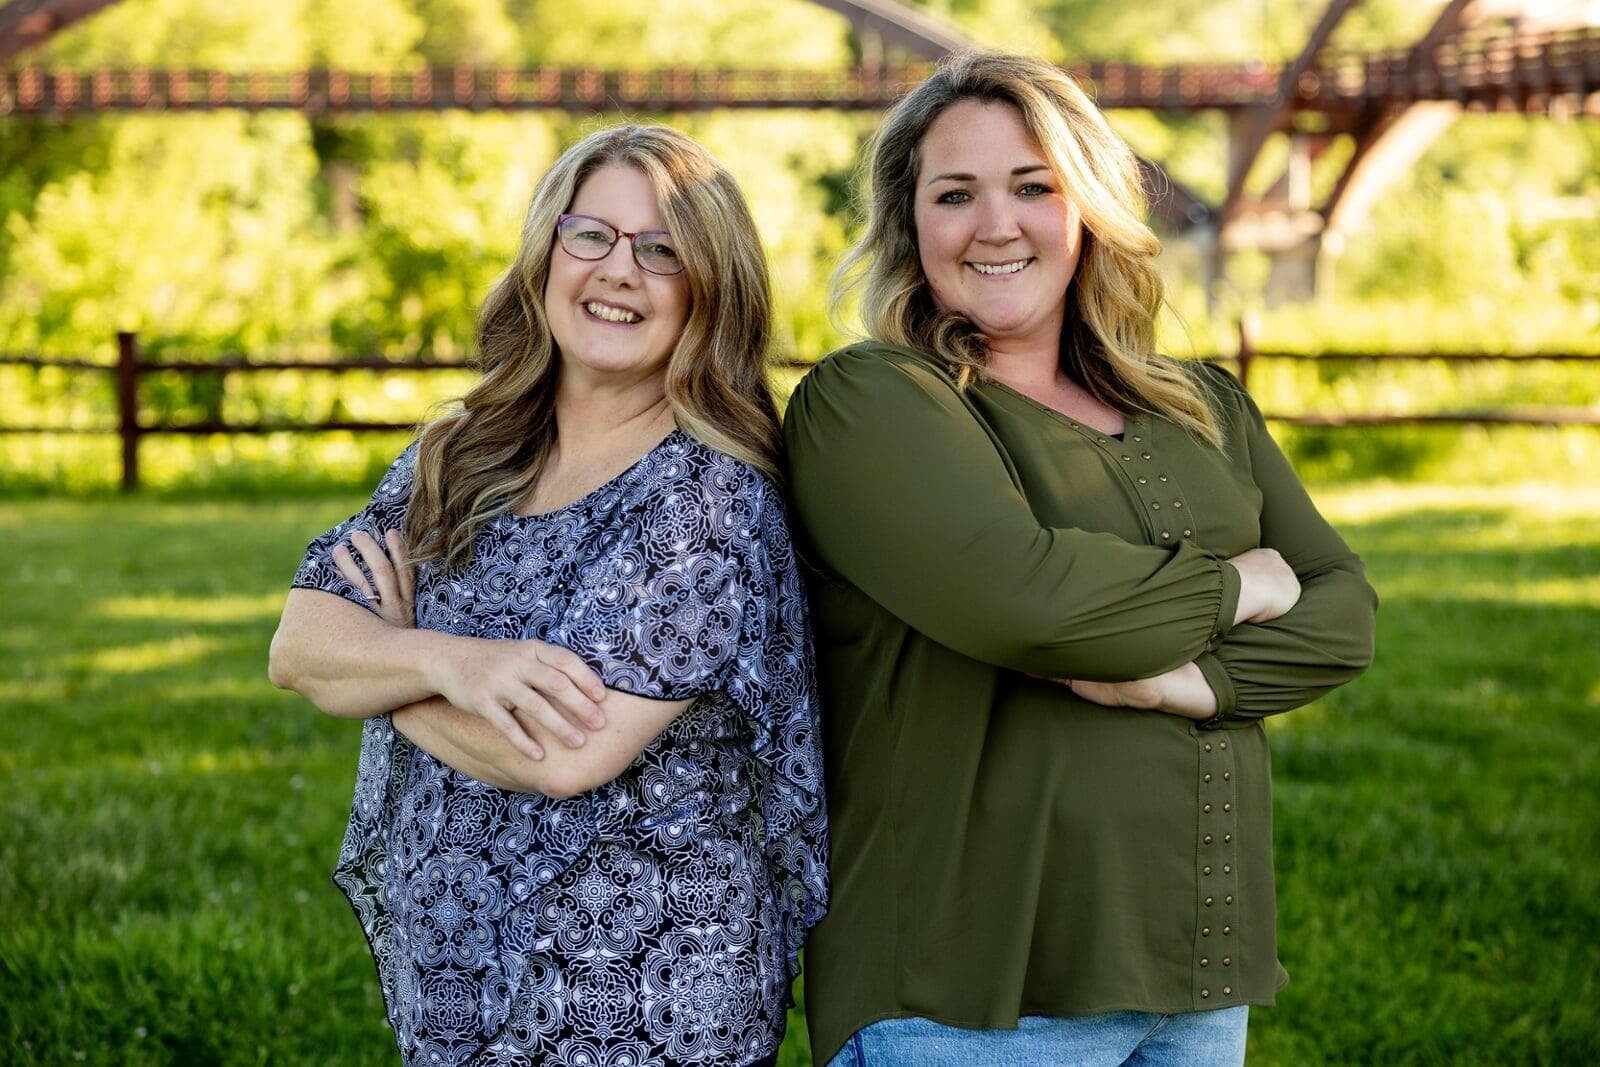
{"x": 1061, "y": 580}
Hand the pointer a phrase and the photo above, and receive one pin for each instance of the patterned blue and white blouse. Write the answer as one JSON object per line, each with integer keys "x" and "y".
{"x": 655, "y": 919}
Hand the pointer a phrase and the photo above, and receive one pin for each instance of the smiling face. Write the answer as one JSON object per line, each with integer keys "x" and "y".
{"x": 998, "y": 239}
{"x": 610, "y": 318}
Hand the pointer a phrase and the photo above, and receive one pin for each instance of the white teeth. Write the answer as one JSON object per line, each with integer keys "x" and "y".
{"x": 610, "y": 314}
{"x": 1000, "y": 268}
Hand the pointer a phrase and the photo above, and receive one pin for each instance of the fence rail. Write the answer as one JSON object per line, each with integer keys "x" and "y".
{"x": 130, "y": 366}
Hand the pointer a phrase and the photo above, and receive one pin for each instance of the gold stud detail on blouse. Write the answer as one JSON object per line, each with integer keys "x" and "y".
{"x": 1163, "y": 477}
{"x": 1226, "y": 838}
{"x": 1205, "y": 870}
{"x": 1224, "y": 745}
{"x": 1205, "y": 931}
{"x": 1206, "y": 809}
{"x": 1126, "y": 457}
{"x": 1226, "y": 930}
{"x": 1204, "y": 962}
{"x": 1166, "y": 535}
{"x": 1177, "y": 503}
{"x": 1207, "y": 778}
{"x": 1143, "y": 480}
{"x": 1188, "y": 533}
{"x": 1145, "y": 455}
{"x": 1205, "y": 992}
{"x": 1227, "y": 807}
{"x": 1227, "y": 776}
{"x": 1227, "y": 989}
{"x": 1154, "y": 506}
{"x": 1227, "y": 868}
{"x": 1136, "y": 437}
{"x": 1227, "y": 961}
{"x": 1228, "y": 899}
{"x": 1208, "y": 839}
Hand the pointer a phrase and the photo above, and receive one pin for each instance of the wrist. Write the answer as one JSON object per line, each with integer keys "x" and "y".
{"x": 1186, "y": 692}
{"x": 427, "y": 655}
{"x": 1245, "y": 607}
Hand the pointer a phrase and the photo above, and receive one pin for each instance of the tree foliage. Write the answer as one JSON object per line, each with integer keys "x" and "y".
{"x": 380, "y": 233}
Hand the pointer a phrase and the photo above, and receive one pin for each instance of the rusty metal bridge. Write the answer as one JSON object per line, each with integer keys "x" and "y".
{"x": 1478, "y": 55}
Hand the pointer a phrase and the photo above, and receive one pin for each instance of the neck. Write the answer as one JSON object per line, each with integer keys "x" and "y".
{"x": 1025, "y": 365}
{"x": 598, "y": 415}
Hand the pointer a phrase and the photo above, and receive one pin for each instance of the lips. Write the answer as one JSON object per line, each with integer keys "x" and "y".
{"x": 614, "y": 313}
{"x": 1000, "y": 269}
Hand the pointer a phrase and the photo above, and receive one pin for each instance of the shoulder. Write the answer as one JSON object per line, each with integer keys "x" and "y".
{"x": 722, "y": 498}
{"x": 876, "y": 364}
{"x": 1229, "y": 399}
{"x": 868, "y": 391}
{"x": 394, "y": 487}
{"x": 1215, "y": 380}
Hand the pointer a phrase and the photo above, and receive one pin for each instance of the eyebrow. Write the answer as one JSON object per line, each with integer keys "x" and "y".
{"x": 1016, "y": 172}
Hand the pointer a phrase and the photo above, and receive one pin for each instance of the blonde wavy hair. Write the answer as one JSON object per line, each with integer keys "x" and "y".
{"x": 479, "y": 459}
{"x": 1108, "y": 339}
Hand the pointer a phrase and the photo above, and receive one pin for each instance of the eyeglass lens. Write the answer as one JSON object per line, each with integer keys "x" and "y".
{"x": 589, "y": 238}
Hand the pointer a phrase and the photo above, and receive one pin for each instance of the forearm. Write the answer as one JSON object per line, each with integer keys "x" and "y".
{"x": 465, "y": 742}
{"x": 347, "y": 661}
{"x": 475, "y": 748}
{"x": 1325, "y": 641}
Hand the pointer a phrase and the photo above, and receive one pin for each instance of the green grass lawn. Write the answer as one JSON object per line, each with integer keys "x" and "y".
{"x": 169, "y": 819}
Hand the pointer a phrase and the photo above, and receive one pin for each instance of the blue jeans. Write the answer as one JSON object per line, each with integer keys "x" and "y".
{"x": 1129, "y": 1038}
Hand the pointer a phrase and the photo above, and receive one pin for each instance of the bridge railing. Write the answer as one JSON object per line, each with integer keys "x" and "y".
{"x": 1518, "y": 71}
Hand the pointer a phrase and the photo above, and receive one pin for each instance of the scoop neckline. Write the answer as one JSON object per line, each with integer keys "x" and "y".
{"x": 598, "y": 490}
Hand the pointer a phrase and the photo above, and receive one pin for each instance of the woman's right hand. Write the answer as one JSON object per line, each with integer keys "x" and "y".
{"x": 1268, "y": 587}
{"x": 516, "y": 686}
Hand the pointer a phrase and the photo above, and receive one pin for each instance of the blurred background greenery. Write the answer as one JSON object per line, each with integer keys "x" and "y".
{"x": 170, "y": 818}
{"x": 280, "y": 235}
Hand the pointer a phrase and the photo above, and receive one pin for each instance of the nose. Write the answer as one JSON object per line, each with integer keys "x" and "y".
{"x": 619, "y": 265}
{"x": 997, "y": 221}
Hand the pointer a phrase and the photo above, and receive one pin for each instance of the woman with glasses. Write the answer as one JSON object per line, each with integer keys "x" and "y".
{"x": 588, "y": 824}
{"x": 1065, "y": 578}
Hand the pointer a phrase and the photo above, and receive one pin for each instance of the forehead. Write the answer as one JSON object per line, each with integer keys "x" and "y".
{"x": 978, "y": 137}
{"x": 621, "y": 195}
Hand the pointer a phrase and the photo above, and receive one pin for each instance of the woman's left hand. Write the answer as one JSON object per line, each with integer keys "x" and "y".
{"x": 1182, "y": 691}
{"x": 394, "y": 597}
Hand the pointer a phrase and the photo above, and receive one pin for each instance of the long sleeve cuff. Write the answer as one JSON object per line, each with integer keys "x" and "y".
{"x": 1216, "y": 676}
{"x": 1229, "y": 605}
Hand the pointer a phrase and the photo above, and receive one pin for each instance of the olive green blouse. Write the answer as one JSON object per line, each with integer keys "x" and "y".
{"x": 1002, "y": 848}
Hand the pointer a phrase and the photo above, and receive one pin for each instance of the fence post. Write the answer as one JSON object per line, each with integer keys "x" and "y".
{"x": 1247, "y": 346}
{"x": 128, "y": 407}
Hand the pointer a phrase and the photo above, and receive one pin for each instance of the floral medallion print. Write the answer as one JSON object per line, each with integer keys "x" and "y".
{"x": 655, "y": 920}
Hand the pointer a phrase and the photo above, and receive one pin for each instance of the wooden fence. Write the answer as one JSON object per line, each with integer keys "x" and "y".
{"x": 130, "y": 366}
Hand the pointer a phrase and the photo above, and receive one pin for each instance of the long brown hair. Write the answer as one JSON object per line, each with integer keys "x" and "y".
{"x": 478, "y": 459}
{"x": 1108, "y": 339}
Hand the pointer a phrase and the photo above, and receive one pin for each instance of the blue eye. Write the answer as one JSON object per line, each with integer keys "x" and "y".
{"x": 1035, "y": 189}
{"x": 954, "y": 196}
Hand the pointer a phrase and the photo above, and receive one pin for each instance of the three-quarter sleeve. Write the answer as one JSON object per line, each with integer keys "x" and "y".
{"x": 385, "y": 511}
{"x": 901, "y": 492}
{"x": 1326, "y": 639}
